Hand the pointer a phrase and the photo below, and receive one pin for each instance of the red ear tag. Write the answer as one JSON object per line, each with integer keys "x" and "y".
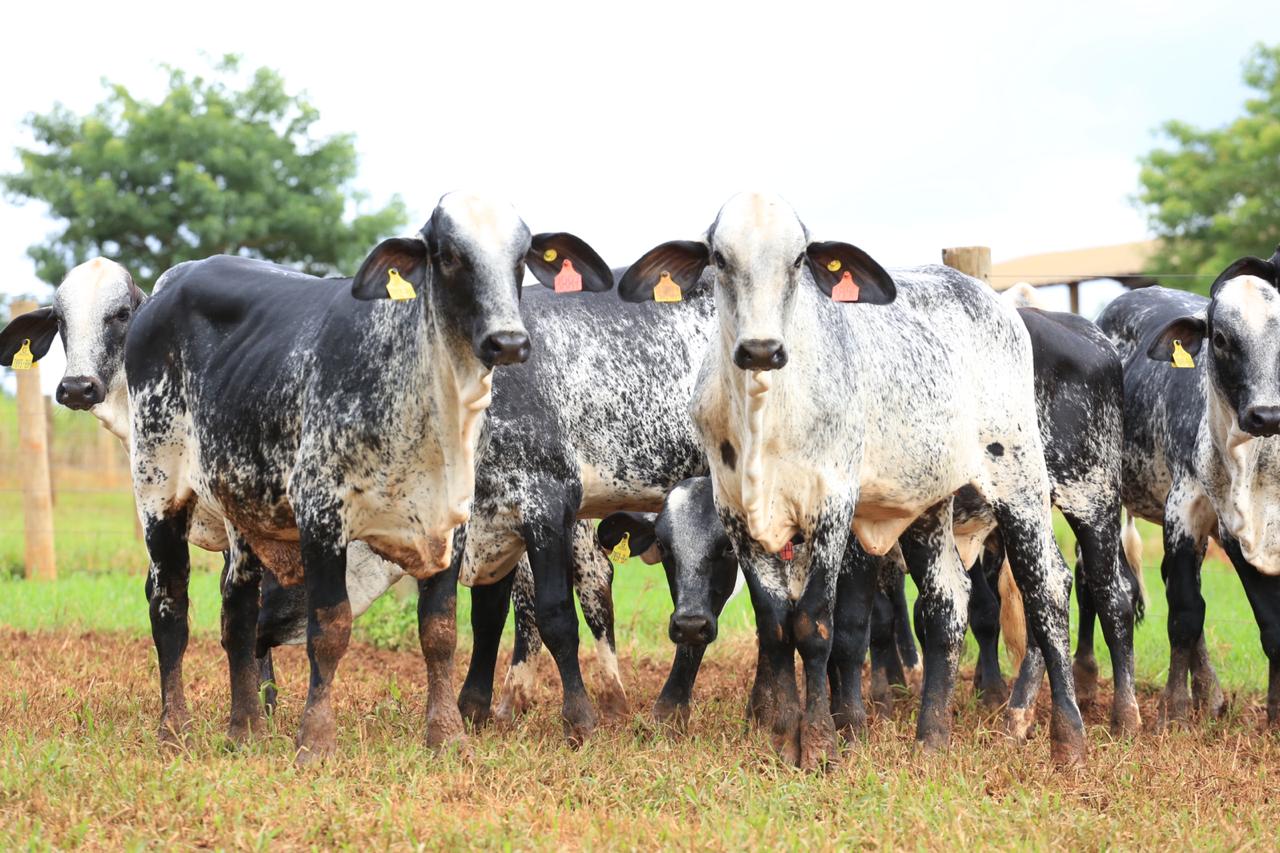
{"x": 568, "y": 280}
{"x": 788, "y": 552}
{"x": 846, "y": 290}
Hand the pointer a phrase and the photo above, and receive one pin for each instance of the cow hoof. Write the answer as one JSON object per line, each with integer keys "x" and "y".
{"x": 850, "y": 722}
{"x": 786, "y": 743}
{"x": 818, "y": 748}
{"x": 1019, "y": 723}
{"x": 613, "y": 704}
{"x": 992, "y": 696}
{"x": 317, "y": 737}
{"x": 476, "y": 710}
{"x": 1126, "y": 719}
{"x": 445, "y": 727}
{"x": 915, "y": 678}
{"x": 1175, "y": 708}
{"x": 672, "y": 715}
{"x": 173, "y": 729}
{"x": 310, "y": 756}
{"x": 1085, "y": 672}
{"x": 241, "y": 731}
{"x": 934, "y": 740}
{"x": 579, "y": 720}
{"x": 1066, "y": 743}
{"x": 1208, "y": 697}
{"x": 513, "y": 705}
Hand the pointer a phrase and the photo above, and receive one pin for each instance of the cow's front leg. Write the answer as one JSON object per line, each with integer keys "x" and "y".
{"x": 241, "y": 586}
{"x": 593, "y": 578}
{"x": 438, "y": 636}
{"x": 1181, "y": 571}
{"x": 1263, "y": 592}
{"x": 167, "y": 599}
{"x": 522, "y": 674}
{"x": 673, "y": 702}
{"x": 489, "y": 605}
{"x": 856, "y": 588}
{"x": 929, "y": 548}
{"x": 324, "y": 560}
{"x": 551, "y": 558}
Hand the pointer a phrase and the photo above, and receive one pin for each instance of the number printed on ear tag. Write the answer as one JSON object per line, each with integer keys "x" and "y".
{"x": 568, "y": 280}
{"x": 622, "y": 551}
{"x": 1182, "y": 358}
{"x": 788, "y": 552}
{"x": 397, "y": 288}
{"x": 22, "y": 359}
{"x": 846, "y": 290}
{"x": 666, "y": 290}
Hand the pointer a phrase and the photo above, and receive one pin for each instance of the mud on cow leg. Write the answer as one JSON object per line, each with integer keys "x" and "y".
{"x": 438, "y": 636}
{"x": 328, "y": 636}
{"x": 167, "y": 599}
{"x": 489, "y": 605}
{"x": 241, "y": 582}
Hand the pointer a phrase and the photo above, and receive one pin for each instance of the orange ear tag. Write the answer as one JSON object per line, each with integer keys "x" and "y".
{"x": 568, "y": 280}
{"x": 788, "y": 552}
{"x": 846, "y": 290}
{"x": 666, "y": 290}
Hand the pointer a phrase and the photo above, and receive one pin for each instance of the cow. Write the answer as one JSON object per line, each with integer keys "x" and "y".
{"x": 820, "y": 418}
{"x": 1201, "y": 455}
{"x": 307, "y": 414}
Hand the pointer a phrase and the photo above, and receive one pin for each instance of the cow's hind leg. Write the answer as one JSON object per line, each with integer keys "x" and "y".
{"x": 886, "y": 665}
{"x": 593, "y": 578}
{"x": 167, "y": 582}
{"x": 929, "y": 548}
{"x": 438, "y": 636}
{"x": 324, "y": 560}
{"x": 489, "y": 605}
{"x": 984, "y": 621}
{"x": 241, "y": 586}
{"x": 522, "y": 675}
{"x": 1263, "y": 592}
{"x": 856, "y": 588}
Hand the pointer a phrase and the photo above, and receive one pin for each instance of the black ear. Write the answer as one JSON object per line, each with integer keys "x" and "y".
{"x": 1189, "y": 331}
{"x": 848, "y": 274}
{"x": 406, "y": 255}
{"x": 1265, "y": 270}
{"x": 562, "y": 255}
{"x": 39, "y": 326}
{"x": 682, "y": 260}
{"x": 639, "y": 524}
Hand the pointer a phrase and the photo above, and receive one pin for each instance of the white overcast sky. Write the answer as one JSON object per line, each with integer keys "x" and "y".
{"x": 900, "y": 127}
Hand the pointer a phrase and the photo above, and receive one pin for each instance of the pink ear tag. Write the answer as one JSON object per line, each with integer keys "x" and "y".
{"x": 846, "y": 290}
{"x": 788, "y": 552}
{"x": 568, "y": 280}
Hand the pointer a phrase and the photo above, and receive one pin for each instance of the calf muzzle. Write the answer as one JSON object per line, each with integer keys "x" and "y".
{"x": 1261, "y": 421}
{"x": 503, "y": 348}
{"x": 760, "y": 354}
{"x": 692, "y": 629}
{"x": 80, "y": 392}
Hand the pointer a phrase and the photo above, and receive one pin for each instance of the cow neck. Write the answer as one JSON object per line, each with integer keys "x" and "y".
{"x": 114, "y": 412}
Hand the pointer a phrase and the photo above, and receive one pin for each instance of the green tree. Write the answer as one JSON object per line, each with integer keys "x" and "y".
{"x": 1214, "y": 195}
{"x": 211, "y": 168}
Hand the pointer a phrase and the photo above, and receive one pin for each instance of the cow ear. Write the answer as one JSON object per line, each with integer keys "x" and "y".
{"x": 1265, "y": 270}
{"x": 407, "y": 256}
{"x": 1189, "y": 332}
{"x": 640, "y": 525}
{"x": 136, "y": 296}
{"x": 561, "y": 255}
{"x": 39, "y": 326}
{"x": 848, "y": 274}
{"x": 682, "y": 260}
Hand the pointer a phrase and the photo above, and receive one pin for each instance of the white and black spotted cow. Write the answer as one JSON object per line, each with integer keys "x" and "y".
{"x": 1202, "y": 456}
{"x": 820, "y": 418}
{"x": 311, "y": 413}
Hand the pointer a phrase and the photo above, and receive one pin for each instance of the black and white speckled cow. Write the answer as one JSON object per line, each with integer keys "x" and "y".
{"x": 312, "y": 413}
{"x": 1202, "y": 456}
{"x": 809, "y": 408}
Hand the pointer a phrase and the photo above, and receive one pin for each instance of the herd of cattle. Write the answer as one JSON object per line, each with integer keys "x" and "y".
{"x": 755, "y": 403}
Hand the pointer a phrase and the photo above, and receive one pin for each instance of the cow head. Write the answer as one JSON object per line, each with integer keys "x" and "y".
{"x": 1242, "y": 355}
{"x": 92, "y": 309}
{"x": 695, "y": 551}
{"x": 760, "y": 254}
{"x": 466, "y": 265}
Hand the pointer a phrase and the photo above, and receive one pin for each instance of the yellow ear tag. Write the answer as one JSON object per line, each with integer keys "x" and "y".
{"x": 834, "y": 265}
{"x": 22, "y": 359}
{"x": 622, "y": 551}
{"x": 1182, "y": 358}
{"x": 666, "y": 290}
{"x": 550, "y": 255}
{"x": 397, "y": 288}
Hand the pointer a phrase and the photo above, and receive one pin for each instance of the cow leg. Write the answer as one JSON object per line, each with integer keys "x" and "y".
{"x": 282, "y": 620}
{"x": 1263, "y": 592}
{"x": 167, "y": 599}
{"x": 593, "y": 578}
{"x": 324, "y": 559}
{"x": 1103, "y": 586}
{"x": 517, "y": 687}
{"x": 551, "y": 558}
{"x": 929, "y": 549}
{"x": 673, "y": 702}
{"x": 1084, "y": 666}
{"x": 489, "y": 605}
{"x": 1206, "y": 692}
{"x": 886, "y": 665}
{"x": 267, "y": 678}
{"x": 1045, "y": 583}
{"x": 984, "y": 621}
{"x": 909, "y": 658}
{"x": 241, "y": 583}
{"x": 1181, "y": 571}
{"x": 855, "y": 591}
{"x": 438, "y": 636}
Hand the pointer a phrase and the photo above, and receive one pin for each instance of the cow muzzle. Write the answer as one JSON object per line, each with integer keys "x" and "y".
{"x": 760, "y": 354}
{"x": 692, "y": 629}
{"x": 503, "y": 348}
{"x": 80, "y": 392}
{"x": 1261, "y": 421}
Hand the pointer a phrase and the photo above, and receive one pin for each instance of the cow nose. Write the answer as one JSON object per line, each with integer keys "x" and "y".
{"x": 692, "y": 629}
{"x": 79, "y": 392}
{"x": 1261, "y": 420}
{"x": 504, "y": 348}
{"x": 766, "y": 354}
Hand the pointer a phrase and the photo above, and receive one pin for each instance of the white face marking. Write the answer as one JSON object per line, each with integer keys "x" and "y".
{"x": 89, "y": 302}
{"x": 760, "y": 238}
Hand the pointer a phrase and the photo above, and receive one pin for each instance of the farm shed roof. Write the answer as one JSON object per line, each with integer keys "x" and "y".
{"x": 1124, "y": 261}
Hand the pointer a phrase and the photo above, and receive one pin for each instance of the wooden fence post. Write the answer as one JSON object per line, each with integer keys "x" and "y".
{"x": 970, "y": 260}
{"x": 33, "y": 443}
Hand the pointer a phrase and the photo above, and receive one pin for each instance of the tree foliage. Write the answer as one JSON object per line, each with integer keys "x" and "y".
{"x": 210, "y": 168}
{"x": 1214, "y": 194}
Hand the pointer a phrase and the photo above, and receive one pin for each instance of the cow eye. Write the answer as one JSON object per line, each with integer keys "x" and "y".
{"x": 719, "y": 260}
{"x": 1219, "y": 340}
{"x": 121, "y": 316}
{"x": 798, "y": 262}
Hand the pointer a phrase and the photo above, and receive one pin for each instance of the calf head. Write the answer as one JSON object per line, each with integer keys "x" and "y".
{"x": 695, "y": 551}
{"x": 468, "y": 261}
{"x": 92, "y": 309}
{"x": 1242, "y": 325}
{"x": 760, "y": 254}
